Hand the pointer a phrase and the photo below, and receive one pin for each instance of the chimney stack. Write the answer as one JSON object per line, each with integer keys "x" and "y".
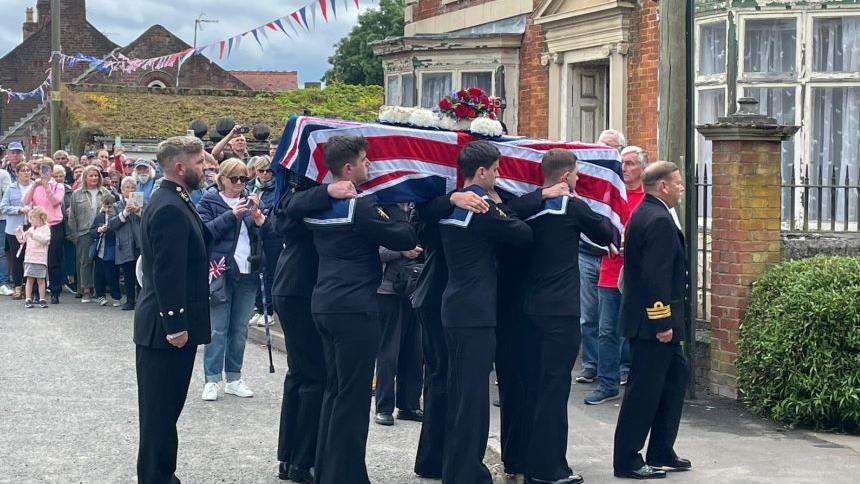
{"x": 30, "y": 26}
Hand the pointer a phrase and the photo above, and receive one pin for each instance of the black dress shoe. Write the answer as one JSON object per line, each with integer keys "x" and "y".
{"x": 55, "y": 298}
{"x": 644, "y": 472}
{"x": 414, "y": 415}
{"x": 676, "y": 464}
{"x": 283, "y": 471}
{"x": 298, "y": 474}
{"x": 384, "y": 419}
{"x": 571, "y": 479}
{"x": 128, "y": 307}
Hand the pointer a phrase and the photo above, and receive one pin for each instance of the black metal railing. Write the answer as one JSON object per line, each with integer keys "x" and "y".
{"x": 703, "y": 247}
{"x": 825, "y": 200}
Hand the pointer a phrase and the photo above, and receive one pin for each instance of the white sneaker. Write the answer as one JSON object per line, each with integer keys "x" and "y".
{"x": 102, "y": 301}
{"x": 5, "y": 291}
{"x": 210, "y": 392}
{"x": 86, "y": 300}
{"x": 255, "y": 320}
{"x": 116, "y": 302}
{"x": 238, "y": 388}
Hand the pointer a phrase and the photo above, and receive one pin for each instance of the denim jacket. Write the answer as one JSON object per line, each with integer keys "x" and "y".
{"x": 11, "y": 207}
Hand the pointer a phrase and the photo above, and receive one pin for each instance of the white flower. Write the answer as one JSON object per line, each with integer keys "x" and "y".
{"x": 424, "y": 118}
{"x": 447, "y": 123}
{"x": 386, "y": 114}
{"x": 486, "y": 127}
{"x": 402, "y": 114}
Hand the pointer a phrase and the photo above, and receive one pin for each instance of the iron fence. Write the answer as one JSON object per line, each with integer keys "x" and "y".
{"x": 825, "y": 199}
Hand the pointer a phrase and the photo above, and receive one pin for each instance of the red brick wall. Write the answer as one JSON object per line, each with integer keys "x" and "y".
{"x": 534, "y": 83}
{"x": 430, "y": 8}
{"x": 642, "y": 59}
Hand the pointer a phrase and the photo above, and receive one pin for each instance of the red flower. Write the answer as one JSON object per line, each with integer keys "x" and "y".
{"x": 492, "y": 116}
{"x": 471, "y": 113}
{"x": 445, "y": 104}
{"x": 476, "y": 92}
{"x": 462, "y": 94}
{"x": 485, "y": 101}
{"x": 462, "y": 111}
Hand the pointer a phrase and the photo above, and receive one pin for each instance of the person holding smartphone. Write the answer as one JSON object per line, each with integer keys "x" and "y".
{"x": 234, "y": 219}
{"x": 48, "y": 194}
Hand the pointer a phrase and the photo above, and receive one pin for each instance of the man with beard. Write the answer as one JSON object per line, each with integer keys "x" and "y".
{"x": 143, "y": 176}
{"x": 172, "y": 317}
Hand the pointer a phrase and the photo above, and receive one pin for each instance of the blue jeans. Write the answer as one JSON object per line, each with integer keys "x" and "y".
{"x": 4, "y": 264}
{"x": 609, "y": 341}
{"x": 230, "y": 329}
{"x": 589, "y": 271}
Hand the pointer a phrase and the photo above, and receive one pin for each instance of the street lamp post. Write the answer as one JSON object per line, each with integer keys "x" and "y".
{"x": 198, "y": 25}
{"x": 55, "y": 76}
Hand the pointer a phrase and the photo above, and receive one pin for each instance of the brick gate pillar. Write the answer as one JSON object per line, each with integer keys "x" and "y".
{"x": 745, "y": 224}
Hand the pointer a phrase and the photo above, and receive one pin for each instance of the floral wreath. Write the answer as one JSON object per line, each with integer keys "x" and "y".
{"x": 470, "y": 103}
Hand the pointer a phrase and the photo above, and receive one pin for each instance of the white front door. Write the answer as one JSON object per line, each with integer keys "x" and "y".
{"x": 588, "y": 102}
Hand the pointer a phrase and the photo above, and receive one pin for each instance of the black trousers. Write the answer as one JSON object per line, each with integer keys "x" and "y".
{"x": 304, "y": 383}
{"x": 470, "y": 361}
{"x": 271, "y": 251}
{"x": 16, "y": 268}
{"x": 130, "y": 279}
{"x": 163, "y": 376}
{"x": 349, "y": 342}
{"x": 106, "y": 275}
{"x": 55, "y": 259}
{"x": 400, "y": 360}
{"x": 551, "y": 347}
{"x": 431, "y": 444}
{"x": 510, "y": 372}
{"x": 652, "y": 403}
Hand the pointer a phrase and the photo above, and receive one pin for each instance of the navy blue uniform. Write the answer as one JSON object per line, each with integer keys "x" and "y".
{"x": 655, "y": 266}
{"x": 469, "y": 306}
{"x": 347, "y": 236}
{"x": 174, "y": 298}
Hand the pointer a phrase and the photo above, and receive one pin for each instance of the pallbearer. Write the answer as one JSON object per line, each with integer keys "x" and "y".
{"x": 347, "y": 235}
{"x": 469, "y": 312}
{"x": 551, "y": 303}
{"x": 652, "y": 316}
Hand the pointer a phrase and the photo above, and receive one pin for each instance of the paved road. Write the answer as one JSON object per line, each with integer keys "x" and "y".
{"x": 68, "y": 414}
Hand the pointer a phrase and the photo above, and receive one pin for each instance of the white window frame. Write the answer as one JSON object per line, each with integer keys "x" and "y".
{"x": 422, "y": 73}
{"x": 712, "y": 79}
{"x": 799, "y": 47}
{"x": 478, "y": 71}
{"x": 399, "y": 94}
{"x": 825, "y": 77}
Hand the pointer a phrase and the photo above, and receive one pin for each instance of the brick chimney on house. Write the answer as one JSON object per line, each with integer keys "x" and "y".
{"x": 73, "y": 11}
{"x": 30, "y": 26}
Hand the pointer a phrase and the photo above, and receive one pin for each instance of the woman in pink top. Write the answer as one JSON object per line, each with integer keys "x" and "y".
{"x": 48, "y": 194}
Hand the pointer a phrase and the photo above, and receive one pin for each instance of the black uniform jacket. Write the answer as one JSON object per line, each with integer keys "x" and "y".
{"x": 175, "y": 260}
{"x": 434, "y": 277}
{"x": 470, "y": 243}
{"x": 347, "y": 236}
{"x": 552, "y": 281}
{"x": 655, "y": 266}
{"x": 296, "y": 271}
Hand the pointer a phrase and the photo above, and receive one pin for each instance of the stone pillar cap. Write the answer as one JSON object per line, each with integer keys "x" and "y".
{"x": 746, "y": 124}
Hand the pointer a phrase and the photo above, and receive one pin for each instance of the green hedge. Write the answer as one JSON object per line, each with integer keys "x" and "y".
{"x": 799, "y": 344}
{"x": 342, "y": 101}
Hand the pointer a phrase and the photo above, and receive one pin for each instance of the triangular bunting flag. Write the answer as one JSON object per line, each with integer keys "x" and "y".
{"x": 356, "y": 4}
{"x": 334, "y": 8}
{"x": 323, "y": 6}
{"x": 221, "y": 51}
{"x": 257, "y": 38}
{"x": 292, "y": 26}
{"x": 229, "y": 47}
{"x": 239, "y": 40}
{"x": 265, "y": 34}
{"x": 304, "y": 17}
{"x": 314, "y": 15}
{"x": 295, "y": 16}
{"x": 280, "y": 25}
{"x": 271, "y": 25}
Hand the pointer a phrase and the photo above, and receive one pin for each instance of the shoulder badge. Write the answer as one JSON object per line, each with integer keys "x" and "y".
{"x": 382, "y": 213}
{"x": 500, "y": 211}
{"x": 659, "y": 311}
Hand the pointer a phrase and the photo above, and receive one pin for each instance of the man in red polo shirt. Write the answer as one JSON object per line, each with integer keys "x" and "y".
{"x": 613, "y": 360}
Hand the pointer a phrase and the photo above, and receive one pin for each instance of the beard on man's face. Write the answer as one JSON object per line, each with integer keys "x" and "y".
{"x": 192, "y": 180}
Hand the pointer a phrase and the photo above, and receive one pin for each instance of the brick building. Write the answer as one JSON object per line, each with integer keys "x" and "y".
{"x": 567, "y": 69}
{"x": 271, "y": 81}
{"x": 25, "y": 66}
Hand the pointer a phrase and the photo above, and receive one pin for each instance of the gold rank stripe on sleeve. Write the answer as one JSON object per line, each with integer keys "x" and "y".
{"x": 659, "y": 311}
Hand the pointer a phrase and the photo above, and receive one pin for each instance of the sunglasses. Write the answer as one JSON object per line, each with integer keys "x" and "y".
{"x": 128, "y": 164}
{"x": 237, "y": 179}
{"x": 264, "y": 171}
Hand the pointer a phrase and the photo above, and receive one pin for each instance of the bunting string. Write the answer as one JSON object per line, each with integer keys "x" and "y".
{"x": 298, "y": 22}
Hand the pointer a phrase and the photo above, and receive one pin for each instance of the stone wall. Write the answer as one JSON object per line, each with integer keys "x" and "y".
{"x": 801, "y": 246}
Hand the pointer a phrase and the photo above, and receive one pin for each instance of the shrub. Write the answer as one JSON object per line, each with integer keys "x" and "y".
{"x": 799, "y": 344}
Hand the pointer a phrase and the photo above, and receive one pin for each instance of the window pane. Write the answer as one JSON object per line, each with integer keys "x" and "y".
{"x": 835, "y": 140}
{"x": 770, "y": 46}
{"x": 484, "y": 80}
{"x": 712, "y": 49}
{"x": 836, "y": 44}
{"x": 391, "y": 91}
{"x": 712, "y": 105}
{"x": 779, "y": 103}
{"x": 434, "y": 87}
{"x": 408, "y": 90}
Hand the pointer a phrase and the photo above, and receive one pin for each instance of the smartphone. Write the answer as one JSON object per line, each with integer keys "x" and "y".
{"x": 249, "y": 202}
{"x": 45, "y": 171}
{"x": 244, "y": 130}
{"x": 117, "y": 142}
{"x": 136, "y": 198}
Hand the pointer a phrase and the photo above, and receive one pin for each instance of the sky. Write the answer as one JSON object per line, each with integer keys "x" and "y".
{"x": 123, "y": 21}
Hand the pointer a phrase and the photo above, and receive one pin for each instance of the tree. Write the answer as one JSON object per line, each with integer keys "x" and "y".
{"x": 353, "y": 61}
